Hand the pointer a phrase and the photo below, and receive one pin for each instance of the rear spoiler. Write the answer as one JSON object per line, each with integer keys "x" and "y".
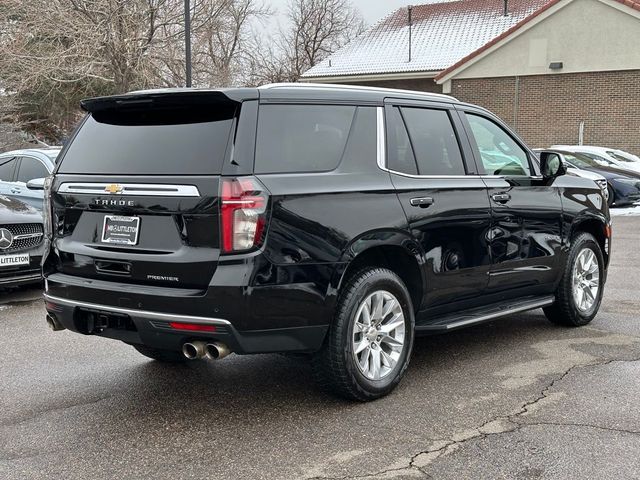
{"x": 169, "y": 98}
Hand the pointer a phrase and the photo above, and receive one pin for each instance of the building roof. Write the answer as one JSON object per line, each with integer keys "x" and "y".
{"x": 445, "y": 35}
{"x": 442, "y": 34}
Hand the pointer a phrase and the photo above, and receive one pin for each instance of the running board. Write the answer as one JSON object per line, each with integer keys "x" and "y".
{"x": 475, "y": 316}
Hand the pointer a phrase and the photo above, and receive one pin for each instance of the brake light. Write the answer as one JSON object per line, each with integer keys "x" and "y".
{"x": 47, "y": 214}
{"x": 243, "y": 207}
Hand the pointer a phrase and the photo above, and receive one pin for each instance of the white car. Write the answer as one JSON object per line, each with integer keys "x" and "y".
{"x": 609, "y": 157}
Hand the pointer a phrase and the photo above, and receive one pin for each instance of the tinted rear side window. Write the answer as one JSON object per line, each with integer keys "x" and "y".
{"x": 151, "y": 143}
{"x": 7, "y": 166}
{"x": 434, "y": 141}
{"x": 30, "y": 168}
{"x": 301, "y": 138}
{"x": 401, "y": 157}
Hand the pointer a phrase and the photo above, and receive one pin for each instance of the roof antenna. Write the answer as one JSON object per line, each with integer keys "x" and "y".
{"x": 409, "y": 10}
{"x": 506, "y": 8}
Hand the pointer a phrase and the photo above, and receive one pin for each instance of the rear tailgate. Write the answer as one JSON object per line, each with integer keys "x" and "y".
{"x": 135, "y": 196}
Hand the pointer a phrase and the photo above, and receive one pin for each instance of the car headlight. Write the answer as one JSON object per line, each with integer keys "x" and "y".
{"x": 603, "y": 186}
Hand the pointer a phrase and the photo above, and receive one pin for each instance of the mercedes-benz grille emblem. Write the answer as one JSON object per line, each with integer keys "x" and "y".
{"x": 6, "y": 238}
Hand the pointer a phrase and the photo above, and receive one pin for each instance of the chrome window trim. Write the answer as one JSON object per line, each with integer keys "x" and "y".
{"x": 382, "y": 158}
{"x": 139, "y": 313}
{"x": 433, "y": 177}
{"x": 135, "y": 189}
{"x": 382, "y": 154}
{"x": 381, "y": 139}
{"x": 530, "y": 177}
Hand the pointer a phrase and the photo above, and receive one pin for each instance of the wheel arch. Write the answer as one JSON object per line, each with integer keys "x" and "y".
{"x": 597, "y": 226}
{"x": 393, "y": 250}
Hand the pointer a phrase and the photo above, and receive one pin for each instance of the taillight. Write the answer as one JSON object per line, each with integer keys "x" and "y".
{"x": 243, "y": 213}
{"x": 47, "y": 214}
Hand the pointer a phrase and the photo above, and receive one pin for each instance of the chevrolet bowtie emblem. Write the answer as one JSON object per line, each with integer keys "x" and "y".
{"x": 113, "y": 188}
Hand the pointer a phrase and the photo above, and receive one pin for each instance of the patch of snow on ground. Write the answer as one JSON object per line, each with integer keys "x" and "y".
{"x": 626, "y": 211}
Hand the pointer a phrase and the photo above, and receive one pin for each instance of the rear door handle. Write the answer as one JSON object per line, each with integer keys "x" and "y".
{"x": 501, "y": 197}
{"x": 423, "y": 202}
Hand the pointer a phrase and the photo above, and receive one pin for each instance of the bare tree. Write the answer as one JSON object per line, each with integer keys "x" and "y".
{"x": 316, "y": 29}
{"x": 55, "y": 52}
{"x": 222, "y": 48}
{"x": 58, "y": 51}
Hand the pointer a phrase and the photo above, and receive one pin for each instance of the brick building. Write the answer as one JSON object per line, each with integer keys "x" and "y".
{"x": 557, "y": 71}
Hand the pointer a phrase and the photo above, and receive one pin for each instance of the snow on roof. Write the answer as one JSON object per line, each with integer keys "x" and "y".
{"x": 442, "y": 34}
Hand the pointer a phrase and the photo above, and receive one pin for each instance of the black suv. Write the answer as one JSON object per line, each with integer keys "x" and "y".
{"x": 337, "y": 222}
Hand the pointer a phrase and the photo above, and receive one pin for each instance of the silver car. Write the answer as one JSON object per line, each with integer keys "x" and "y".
{"x": 18, "y": 167}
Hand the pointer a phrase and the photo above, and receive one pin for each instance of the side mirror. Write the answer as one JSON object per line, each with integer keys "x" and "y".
{"x": 552, "y": 165}
{"x": 36, "y": 184}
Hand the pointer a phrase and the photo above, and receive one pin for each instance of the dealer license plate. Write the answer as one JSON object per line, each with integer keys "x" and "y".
{"x": 121, "y": 230}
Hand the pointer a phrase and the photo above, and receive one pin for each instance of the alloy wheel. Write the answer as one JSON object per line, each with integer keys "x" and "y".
{"x": 585, "y": 280}
{"x": 378, "y": 335}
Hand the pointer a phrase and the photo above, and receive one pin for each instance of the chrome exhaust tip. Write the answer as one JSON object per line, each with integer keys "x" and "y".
{"x": 217, "y": 351}
{"x": 194, "y": 350}
{"x": 53, "y": 323}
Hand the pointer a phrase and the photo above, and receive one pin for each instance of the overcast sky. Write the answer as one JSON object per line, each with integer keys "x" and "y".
{"x": 372, "y": 10}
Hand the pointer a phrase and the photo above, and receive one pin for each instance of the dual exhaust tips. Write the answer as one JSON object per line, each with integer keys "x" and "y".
{"x": 198, "y": 349}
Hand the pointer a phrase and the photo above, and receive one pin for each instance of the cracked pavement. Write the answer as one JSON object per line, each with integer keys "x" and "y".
{"x": 515, "y": 398}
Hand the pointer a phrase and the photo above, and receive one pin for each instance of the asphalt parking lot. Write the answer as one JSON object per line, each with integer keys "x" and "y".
{"x": 516, "y": 398}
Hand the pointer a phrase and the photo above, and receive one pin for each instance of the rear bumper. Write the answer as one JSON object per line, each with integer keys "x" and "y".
{"x": 153, "y": 329}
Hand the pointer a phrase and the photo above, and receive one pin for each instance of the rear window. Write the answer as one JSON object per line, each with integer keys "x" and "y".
{"x": 151, "y": 142}
{"x": 302, "y": 138}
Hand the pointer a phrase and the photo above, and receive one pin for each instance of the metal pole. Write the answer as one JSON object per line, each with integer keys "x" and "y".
{"x": 409, "y": 9}
{"x": 187, "y": 41}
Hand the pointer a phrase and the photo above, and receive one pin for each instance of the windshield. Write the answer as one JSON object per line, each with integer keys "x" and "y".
{"x": 598, "y": 159}
{"x": 620, "y": 158}
{"x": 580, "y": 160}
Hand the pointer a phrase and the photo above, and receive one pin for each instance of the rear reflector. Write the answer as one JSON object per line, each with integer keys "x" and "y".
{"x": 192, "y": 327}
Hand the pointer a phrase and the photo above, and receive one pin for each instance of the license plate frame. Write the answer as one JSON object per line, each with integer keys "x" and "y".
{"x": 14, "y": 260}
{"x": 120, "y": 236}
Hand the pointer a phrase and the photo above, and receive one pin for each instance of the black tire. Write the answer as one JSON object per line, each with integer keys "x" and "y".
{"x": 165, "y": 356}
{"x": 565, "y": 311}
{"x": 334, "y": 366}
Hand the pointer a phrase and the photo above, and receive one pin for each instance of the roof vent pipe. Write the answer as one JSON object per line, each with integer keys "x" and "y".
{"x": 506, "y": 8}
{"x": 409, "y": 10}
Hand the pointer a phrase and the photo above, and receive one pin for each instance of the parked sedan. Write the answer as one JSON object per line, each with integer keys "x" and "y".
{"x": 18, "y": 167}
{"x": 609, "y": 157}
{"x": 21, "y": 242}
{"x": 623, "y": 185}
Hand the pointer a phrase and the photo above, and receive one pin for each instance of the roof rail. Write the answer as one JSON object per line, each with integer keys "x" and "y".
{"x": 329, "y": 86}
